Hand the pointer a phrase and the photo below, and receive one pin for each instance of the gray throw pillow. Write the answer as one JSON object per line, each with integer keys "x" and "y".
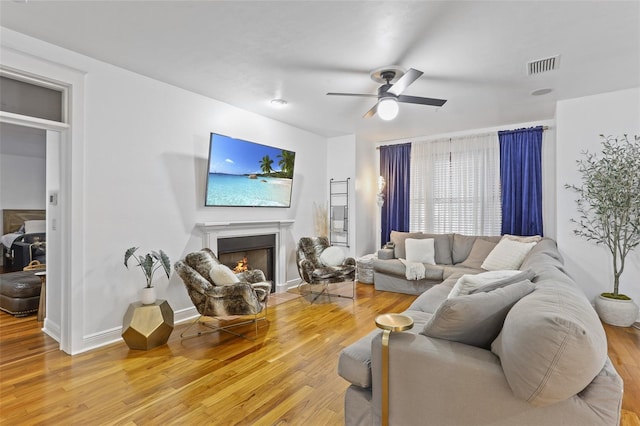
{"x": 524, "y": 275}
{"x": 479, "y": 252}
{"x": 475, "y": 319}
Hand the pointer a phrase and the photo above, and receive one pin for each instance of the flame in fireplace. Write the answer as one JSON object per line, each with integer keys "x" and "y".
{"x": 242, "y": 265}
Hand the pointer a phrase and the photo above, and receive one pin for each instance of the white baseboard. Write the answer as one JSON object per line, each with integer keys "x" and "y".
{"x": 51, "y": 329}
{"x": 113, "y": 335}
{"x": 283, "y": 288}
{"x": 636, "y": 325}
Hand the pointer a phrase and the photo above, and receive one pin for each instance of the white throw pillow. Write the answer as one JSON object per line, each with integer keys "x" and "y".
{"x": 469, "y": 282}
{"x": 422, "y": 250}
{"x": 223, "y": 275}
{"x": 33, "y": 226}
{"x": 508, "y": 254}
{"x": 332, "y": 256}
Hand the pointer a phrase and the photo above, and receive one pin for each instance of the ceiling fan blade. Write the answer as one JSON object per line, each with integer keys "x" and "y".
{"x": 352, "y": 94}
{"x": 371, "y": 112}
{"x": 421, "y": 101}
{"x": 404, "y": 82}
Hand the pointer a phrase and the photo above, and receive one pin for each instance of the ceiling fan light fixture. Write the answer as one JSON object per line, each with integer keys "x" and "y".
{"x": 388, "y": 109}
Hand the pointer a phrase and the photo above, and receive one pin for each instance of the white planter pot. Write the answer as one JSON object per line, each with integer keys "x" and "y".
{"x": 148, "y": 295}
{"x": 622, "y": 313}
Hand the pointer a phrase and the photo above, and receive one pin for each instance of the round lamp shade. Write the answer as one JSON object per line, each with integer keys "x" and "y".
{"x": 387, "y": 108}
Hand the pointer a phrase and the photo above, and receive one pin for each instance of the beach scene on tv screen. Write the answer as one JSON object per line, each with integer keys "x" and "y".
{"x": 243, "y": 173}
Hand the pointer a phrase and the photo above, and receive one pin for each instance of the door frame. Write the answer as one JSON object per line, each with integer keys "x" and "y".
{"x": 64, "y": 320}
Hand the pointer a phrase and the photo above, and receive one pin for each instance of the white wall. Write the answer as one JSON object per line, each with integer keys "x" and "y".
{"x": 367, "y": 171}
{"x": 341, "y": 164}
{"x": 580, "y": 122}
{"x": 22, "y": 169}
{"x": 144, "y": 156}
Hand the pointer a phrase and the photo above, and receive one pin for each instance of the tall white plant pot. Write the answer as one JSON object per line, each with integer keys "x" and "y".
{"x": 148, "y": 295}
{"x": 622, "y": 313}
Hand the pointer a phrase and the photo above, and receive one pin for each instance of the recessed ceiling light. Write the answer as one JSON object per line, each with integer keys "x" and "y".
{"x": 279, "y": 103}
{"x": 541, "y": 92}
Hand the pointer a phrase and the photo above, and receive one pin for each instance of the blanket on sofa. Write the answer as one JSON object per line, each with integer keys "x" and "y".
{"x": 414, "y": 270}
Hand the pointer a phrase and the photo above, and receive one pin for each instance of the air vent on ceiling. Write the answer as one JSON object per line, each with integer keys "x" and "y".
{"x": 543, "y": 65}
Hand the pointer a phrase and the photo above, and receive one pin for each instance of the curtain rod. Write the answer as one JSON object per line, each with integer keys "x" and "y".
{"x": 477, "y": 134}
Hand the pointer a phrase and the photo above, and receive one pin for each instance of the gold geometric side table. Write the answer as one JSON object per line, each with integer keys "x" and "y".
{"x": 389, "y": 323}
{"x": 147, "y": 326}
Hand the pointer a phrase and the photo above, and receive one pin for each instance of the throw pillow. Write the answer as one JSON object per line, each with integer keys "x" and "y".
{"x": 33, "y": 226}
{"x": 399, "y": 238}
{"x": 222, "y": 275}
{"x": 508, "y": 254}
{"x": 422, "y": 250}
{"x": 521, "y": 276}
{"x": 475, "y": 319}
{"x": 332, "y": 256}
{"x": 479, "y": 252}
{"x": 470, "y": 282}
{"x": 531, "y": 239}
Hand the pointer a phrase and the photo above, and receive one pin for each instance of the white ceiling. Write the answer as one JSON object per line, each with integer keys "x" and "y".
{"x": 246, "y": 53}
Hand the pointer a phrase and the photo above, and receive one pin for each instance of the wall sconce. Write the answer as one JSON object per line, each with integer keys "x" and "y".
{"x": 381, "y": 184}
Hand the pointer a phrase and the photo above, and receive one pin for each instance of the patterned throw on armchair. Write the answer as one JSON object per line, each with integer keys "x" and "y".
{"x": 217, "y": 292}
{"x": 320, "y": 263}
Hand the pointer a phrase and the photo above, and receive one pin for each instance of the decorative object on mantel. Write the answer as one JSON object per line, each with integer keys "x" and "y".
{"x": 149, "y": 263}
{"x": 609, "y": 207}
{"x": 321, "y": 219}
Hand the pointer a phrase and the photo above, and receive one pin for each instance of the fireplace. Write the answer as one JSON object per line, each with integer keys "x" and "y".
{"x": 280, "y": 228}
{"x": 256, "y": 251}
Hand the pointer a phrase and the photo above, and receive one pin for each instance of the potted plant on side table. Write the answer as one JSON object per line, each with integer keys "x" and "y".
{"x": 609, "y": 207}
{"x": 149, "y": 263}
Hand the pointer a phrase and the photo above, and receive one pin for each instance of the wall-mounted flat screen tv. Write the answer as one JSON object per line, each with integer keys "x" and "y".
{"x": 247, "y": 174}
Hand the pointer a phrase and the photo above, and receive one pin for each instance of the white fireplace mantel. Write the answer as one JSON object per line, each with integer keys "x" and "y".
{"x": 211, "y": 231}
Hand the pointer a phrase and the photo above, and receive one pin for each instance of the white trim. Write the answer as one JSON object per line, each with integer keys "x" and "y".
{"x": 38, "y": 123}
{"x": 71, "y": 196}
{"x": 114, "y": 335}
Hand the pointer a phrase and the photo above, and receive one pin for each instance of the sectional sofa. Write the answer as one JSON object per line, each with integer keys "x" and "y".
{"x": 453, "y": 254}
{"x": 527, "y": 349}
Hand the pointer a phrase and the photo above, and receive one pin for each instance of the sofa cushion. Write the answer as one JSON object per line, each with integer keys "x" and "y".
{"x": 398, "y": 238}
{"x": 475, "y": 319}
{"x": 354, "y": 362}
{"x": 479, "y": 252}
{"x": 552, "y": 343}
{"x": 442, "y": 243}
{"x": 462, "y": 245}
{"x": 395, "y": 267}
{"x": 524, "y": 275}
{"x": 508, "y": 254}
{"x": 420, "y": 250}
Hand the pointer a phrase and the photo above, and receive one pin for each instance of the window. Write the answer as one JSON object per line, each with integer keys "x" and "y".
{"x": 32, "y": 99}
{"x": 455, "y": 186}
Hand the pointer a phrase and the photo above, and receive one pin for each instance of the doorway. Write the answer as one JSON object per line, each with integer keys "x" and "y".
{"x": 59, "y": 199}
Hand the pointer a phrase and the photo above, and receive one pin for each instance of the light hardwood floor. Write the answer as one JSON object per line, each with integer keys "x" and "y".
{"x": 287, "y": 376}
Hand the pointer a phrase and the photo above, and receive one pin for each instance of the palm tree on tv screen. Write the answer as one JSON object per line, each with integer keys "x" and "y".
{"x": 265, "y": 164}
{"x": 286, "y": 162}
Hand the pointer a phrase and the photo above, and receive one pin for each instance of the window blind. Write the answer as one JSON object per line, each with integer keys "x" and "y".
{"x": 455, "y": 185}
